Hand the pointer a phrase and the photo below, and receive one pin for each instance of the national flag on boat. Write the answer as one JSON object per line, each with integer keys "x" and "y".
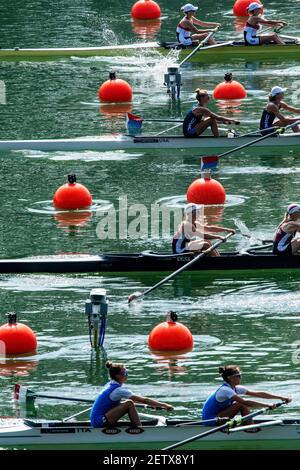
{"x": 209, "y": 163}
{"x": 133, "y": 123}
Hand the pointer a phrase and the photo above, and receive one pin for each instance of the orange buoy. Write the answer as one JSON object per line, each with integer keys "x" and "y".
{"x": 229, "y": 89}
{"x": 170, "y": 336}
{"x": 240, "y": 7}
{"x": 17, "y": 338}
{"x": 145, "y": 10}
{"x": 115, "y": 90}
{"x": 206, "y": 191}
{"x": 72, "y": 196}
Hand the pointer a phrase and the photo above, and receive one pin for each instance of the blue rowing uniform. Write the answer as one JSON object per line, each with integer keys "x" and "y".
{"x": 266, "y": 122}
{"x": 179, "y": 244}
{"x": 102, "y": 404}
{"x": 189, "y": 124}
{"x": 212, "y": 407}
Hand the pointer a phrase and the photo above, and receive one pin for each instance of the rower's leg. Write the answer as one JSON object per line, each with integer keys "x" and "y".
{"x": 118, "y": 411}
{"x": 233, "y": 410}
{"x": 200, "y": 37}
{"x": 207, "y": 122}
{"x": 267, "y": 38}
{"x": 296, "y": 246}
{"x": 200, "y": 245}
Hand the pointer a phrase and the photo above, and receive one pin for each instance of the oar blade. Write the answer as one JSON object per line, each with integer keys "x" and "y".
{"x": 134, "y": 296}
{"x": 209, "y": 162}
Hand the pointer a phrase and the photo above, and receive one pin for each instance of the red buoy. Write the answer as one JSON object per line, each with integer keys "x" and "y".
{"x": 229, "y": 89}
{"x": 72, "y": 196}
{"x": 240, "y": 7}
{"x": 115, "y": 90}
{"x": 17, "y": 337}
{"x": 170, "y": 336}
{"x": 145, "y": 10}
{"x": 206, "y": 191}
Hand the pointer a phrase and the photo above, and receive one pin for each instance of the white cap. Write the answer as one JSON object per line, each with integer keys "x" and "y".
{"x": 276, "y": 90}
{"x": 293, "y": 208}
{"x": 192, "y": 207}
{"x": 254, "y": 6}
{"x": 189, "y": 7}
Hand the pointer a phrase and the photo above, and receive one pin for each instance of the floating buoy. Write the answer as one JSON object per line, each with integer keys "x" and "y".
{"x": 229, "y": 89}
{"x": 115, "y": 90}
{"x": 240, "y": 7}
{"x": 206, "y": 191}
{"x": 72, "y": 196}
{"x": 170, "y": 336}
{"x": 145, "y": 10}
{"x": 17, "y": 337}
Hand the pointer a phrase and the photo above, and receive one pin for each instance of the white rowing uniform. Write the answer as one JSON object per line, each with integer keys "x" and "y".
{"x": 184, "y": 35}
{"x": 250, "y": 34}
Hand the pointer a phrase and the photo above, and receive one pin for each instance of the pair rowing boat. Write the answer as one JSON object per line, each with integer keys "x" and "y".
{"x": 224, "y": 51}
{"x": 286, "y": 142}
{"x": 149, "y": 261}
{"x": 156, "y": 434}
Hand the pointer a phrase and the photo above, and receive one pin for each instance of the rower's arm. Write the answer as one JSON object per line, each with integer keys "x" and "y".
{"x": 213, "y": 236}
{"x": 274, "y": 109}
{"x": 151, "y": 402}
{"x": 205, "y": 24}
{"x": 251, "y": 403}
{"x": 272, "y": 22}
{"x": 207, "y": 113}
{"x": 291, "y": 227}
{"x": 216, "y": 228}
{"x": 267, "y": 395}
{"x": 292, "y": 109}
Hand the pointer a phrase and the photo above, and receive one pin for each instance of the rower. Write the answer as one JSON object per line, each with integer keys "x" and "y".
{"x": 227, "y": 402}
{"x": 187, "y": 26}
{"x": 200, "y": 117}
{"x": 193, "y": 235}
{"x": 273, "y": 111}
{"x": 254, "y": 23}
{"x": 286, "y": 242}
{"x": 108, "y": 408}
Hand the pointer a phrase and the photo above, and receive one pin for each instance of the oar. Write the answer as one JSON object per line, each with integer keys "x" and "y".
{"x": 230, "y": 424}
{"x": 138, "y": 295}
{"x": 23, "y": 394}
{"x": 201, "y": 44}
{"x": 280, "y": 130}
{"x": 76, "y": 414}
{"x": 255, "y": 426}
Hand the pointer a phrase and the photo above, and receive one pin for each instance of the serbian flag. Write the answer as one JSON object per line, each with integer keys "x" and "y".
{"x": 133, "y": 123}
{"x": 209, "y": 163}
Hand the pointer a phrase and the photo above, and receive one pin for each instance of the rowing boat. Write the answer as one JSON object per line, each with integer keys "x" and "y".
{"x": 148, "y": 261}
{"x": 231, "y": 51}
{"x": 155, "y": 435}
{"x": 126, "y": 142}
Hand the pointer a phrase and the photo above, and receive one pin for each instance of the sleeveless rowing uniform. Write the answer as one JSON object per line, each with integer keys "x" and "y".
{"x": 179, "y": 244}
{"x": 282, "y": 242}
{"x": 189, "y": 124}
{"x": 250, "y": 35}
{"x": 212, "y": 407}
{"x": 102, "y": 404}
{"x": 266, "y": 122}
{"x": 184, "y": 35}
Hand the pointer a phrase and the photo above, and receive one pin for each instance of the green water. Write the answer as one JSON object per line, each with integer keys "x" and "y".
{"x": 251, "y": 320}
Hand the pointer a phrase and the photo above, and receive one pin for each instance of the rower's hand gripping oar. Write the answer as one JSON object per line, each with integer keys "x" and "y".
{"x": 138, "y": 295}
{"x": 229, "y": 425}
{"x": 206, "y": 160}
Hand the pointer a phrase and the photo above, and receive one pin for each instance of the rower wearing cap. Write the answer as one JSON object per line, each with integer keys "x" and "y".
{"x": 108, "y": 408}
{"x": 273, "y": 111}
{"x": 254, "y": 23}
{"x": 200, "y": 117}
{"x": 187, "y": 26}
{"x": 194, "y": 235}
{"x": 286, "y": 242}
{"x": 226, "y": 401}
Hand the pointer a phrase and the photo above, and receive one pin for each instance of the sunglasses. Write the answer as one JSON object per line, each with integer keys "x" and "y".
{"x": 124, "y": 372}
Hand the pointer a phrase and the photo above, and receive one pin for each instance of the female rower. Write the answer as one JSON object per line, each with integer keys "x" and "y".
{"x": 187, "y": 26}
{"x": 108, "y": 408}
{"x": 286, "y": 242}
{"x": 200, "y": 117}
{"x": 273, "y": 111}
{"x": 227, "y": 401}
{"x": 254, "y": 23}
{"x": 194, "y": 235}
